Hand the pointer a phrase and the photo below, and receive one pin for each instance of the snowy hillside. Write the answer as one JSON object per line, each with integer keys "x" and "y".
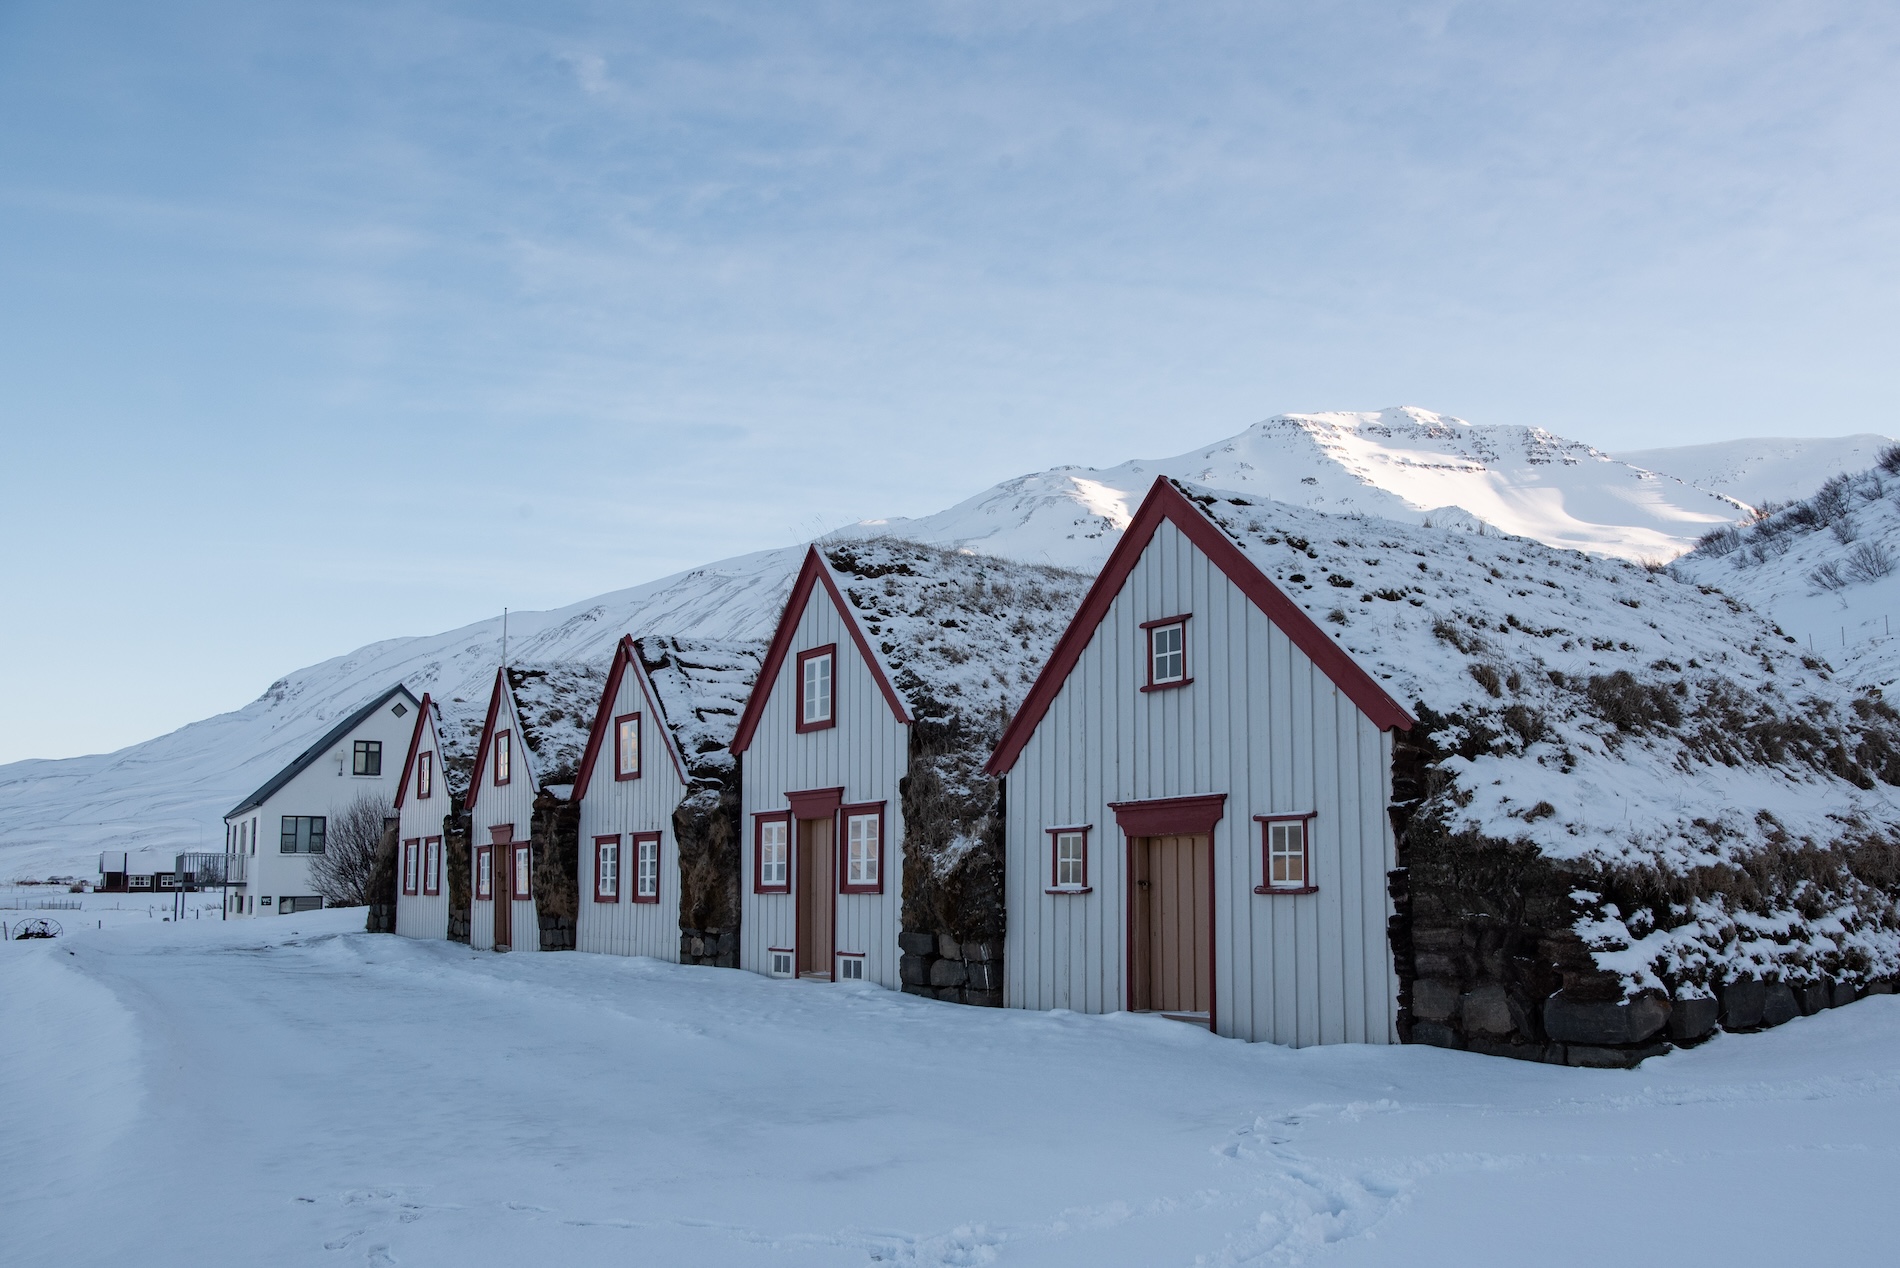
{"x": 1405, "y": 464}
{"x": 1623, "y": 723}
{"x": 1402, "y": 464}
{"x": 1765, "y": 470}
{"x": 1826, "y": 569}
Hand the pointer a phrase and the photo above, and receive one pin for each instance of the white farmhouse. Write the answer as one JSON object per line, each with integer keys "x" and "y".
{"x": 271, "y": 836}
{"x": 1196, "y": 794}
{"x": 423, "y": 802}
{"x": 658, "y": 793}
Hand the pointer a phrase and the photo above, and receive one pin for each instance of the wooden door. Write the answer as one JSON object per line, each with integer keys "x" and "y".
{"x": 817, "y": 909}
{"x": 1171, "y": 944}
{"x": 504, "y": 896}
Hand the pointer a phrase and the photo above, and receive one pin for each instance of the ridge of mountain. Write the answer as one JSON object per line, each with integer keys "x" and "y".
{"x": 1404, "y": 464}
{"x": 1765, "y": 469}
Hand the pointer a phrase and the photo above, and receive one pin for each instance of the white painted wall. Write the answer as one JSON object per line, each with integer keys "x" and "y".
{"x": 326, "y": 787}
{"x": 424, "y": 915}
{"x": 1258, "y": 723}
{"x": 493, "y": 805}
{"x": 617, "y": 807}
{"x": 865, "y": 754}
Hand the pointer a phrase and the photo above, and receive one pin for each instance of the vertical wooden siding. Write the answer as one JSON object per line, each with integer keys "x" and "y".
{"x": 1258, "y": 723}
{"x": 865, "y": 754}
{"x": 511, "y": 803}
{"x": 622, "y": 807}
{"x": 421, "y": 915}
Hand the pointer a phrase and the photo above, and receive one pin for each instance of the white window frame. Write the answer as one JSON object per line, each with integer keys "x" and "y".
{"x": 818, "y": 676}
{"x": 607, "y": 870}
{"x": 524, "y": 865}
{"x": 1176, "y": 656}
{"x": 774, "y": 837}
{"x": 864, "y": 850}
{"x": 1286, "y": 839}
{"x": 647, "y": 863}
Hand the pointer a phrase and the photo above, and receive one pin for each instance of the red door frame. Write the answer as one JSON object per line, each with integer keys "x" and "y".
{"x": 1170, "y": 817}
{"x": 806, "y": 806}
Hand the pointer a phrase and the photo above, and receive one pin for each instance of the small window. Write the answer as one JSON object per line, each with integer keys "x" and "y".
{"x": 815, "y": 687}
{"x": 771, "y": 870}
{"x": 140, "y": 882}
{"x": 606, "y": 869}
{"x": 1167, "y": 653}
{"x": 781, "y": 964}
{"x": 522, "y": 889}
{"x": 850, "y": 968}
{"x": 301, "y": 834}
{"x": 646, "y": 861}
{"x": 1069, "y": 859}
{"x": 504, "y": 753}
{"x": 484, "y": 871}
{"x": 367, "y": 758}
{"x": 1286, "y": 849}
{"x": 425, "y": 776}
{"x": 411, "y": 865}
{"x": 432, "y": 865}
{"x": 863, "y": 850}
{"x": 399, "y": 709}
{"x": 627, "y": 746}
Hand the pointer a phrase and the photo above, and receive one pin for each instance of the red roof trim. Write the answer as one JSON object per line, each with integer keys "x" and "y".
{"x": 810, "y": 574}
{"x": 625, "y": 654}
{"x": 1166, "y": 502}
{"x": 415, "y": 742}
{"x": 481, "y": 749}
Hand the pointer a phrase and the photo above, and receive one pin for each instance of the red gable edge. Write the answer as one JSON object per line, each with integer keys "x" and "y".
{"x": 481, "y": 749}
{"x": 409, "y": 762}
{"x": 624, "y": 654}
{"x": 1167, "y": 502}
{"x": 810, "y": 574}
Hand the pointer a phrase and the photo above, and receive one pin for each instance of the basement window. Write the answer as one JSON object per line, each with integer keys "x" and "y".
{"x": 850, "y": 967}
{"x": 815, "y": 678}
{"x": 1286, "y": 861}
{"x": 646, "y": 879}
{"x": 1167, "y": 653}
{"x": 781, "y": 963}
{"x": 366, "y": 758}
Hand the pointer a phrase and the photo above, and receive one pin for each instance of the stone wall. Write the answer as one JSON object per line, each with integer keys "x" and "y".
{"x": 954, "y": 911}
{"x": 938, "y": 966}
{"x": 382, "y": 886}
{"x": 707, "y": 827}
{"x": 455, "y": 859}
{"x": 554, "y": 832}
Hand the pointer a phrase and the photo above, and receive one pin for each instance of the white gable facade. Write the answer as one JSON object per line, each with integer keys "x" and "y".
{"x": 272, "y": 835}
{"x": 629, "y": 856}
{"x": 823, "y": 743}
{"x": 422, "y": 803}
{"x": 500, "y": 814}
{"x": 1196, "y": 801}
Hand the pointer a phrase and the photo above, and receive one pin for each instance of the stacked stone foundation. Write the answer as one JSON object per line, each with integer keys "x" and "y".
{"x": 937, "y": 966}
{"x": 709, "y": 947}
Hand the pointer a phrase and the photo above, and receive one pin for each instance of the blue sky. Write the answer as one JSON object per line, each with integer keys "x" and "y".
{"x": 325, "y": 323}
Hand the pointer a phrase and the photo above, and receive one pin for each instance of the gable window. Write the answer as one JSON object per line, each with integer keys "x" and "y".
{"x": 1069, "y": 860}
{"x": 646, "y": 864}
{"x": 815, "y": 676}
{"x": 1286, "y": 849}
{"x": 1167, "y": 653}
{"x": 302, "y": 834}
{"x": 425, "y": 776}
{"x": 432, "y": 865}
{"x": 366, "y": 758}
{"x": 484, "y": 871}
{"x": 504, "y": 754}
{"x": 607, "y": 869}
{"x": 627, "y": 746}
{"x": 771, "y": 862}
{"x": 863, "y": 871}
{"x": 521, "y": 873}
{"x": 410, "y": 864}
{"x": 399, "y": 708}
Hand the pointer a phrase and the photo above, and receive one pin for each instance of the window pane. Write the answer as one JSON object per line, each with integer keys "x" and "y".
{"x": 288, "y": 843}
{"x": 630, "y": 746}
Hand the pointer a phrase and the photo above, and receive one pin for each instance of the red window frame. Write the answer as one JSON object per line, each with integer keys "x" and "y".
{"x": 634, "y": 841}
{"x": 411, "y": 865}
{"x": 485, "y": 892}
{"x": 502, "y": 766}
{"x": 432, "y": 865}
{"x": 1266, "y": 822}
{"x": 620, "y": 871}
{"x": 620, "y": 770}
{"x": 758, "y": 851}
{"x": 867, "y": 810}
{"x": 524, "y": 854}
{"x": 425, "y": 775}
{"x": 831, "y": 717}
{"x": 1149, "y": 628}
{"x": 1055, "y": 884}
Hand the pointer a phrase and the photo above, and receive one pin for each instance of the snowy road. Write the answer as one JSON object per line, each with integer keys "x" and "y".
{"x": 292, "y": 1091}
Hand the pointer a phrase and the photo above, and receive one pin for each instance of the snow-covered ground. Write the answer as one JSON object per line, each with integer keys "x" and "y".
{"x": 294, "y": 1091}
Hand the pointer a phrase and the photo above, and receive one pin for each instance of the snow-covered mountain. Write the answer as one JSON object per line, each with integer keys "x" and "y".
{"x": 1769, "y": 469}
{"x": 1826, "y": 569}
{"x": 1407, "y": 464}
